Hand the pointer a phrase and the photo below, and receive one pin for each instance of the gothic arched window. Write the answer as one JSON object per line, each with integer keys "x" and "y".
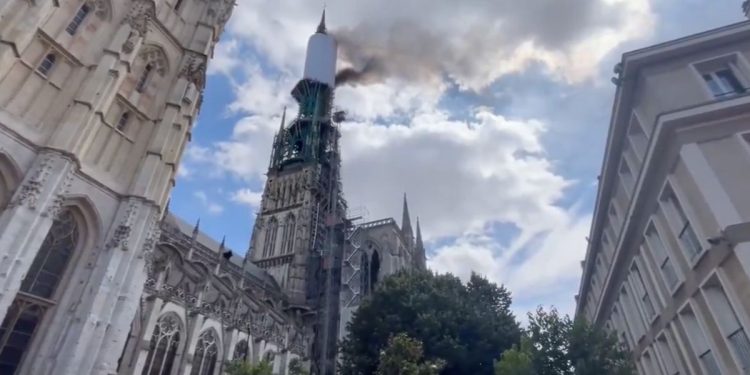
{"x": 289, "y": 228}
{"x": 77, "y": 20}
{"x": 364, "y": 269}
{"x": 374, "y": 269}
{"x": 37, "y": 291}
{"x": 143, "y": 80}
{"x": 206, "y": 352}
{"x": 164, "y": 344}
{"x": 269, "y": 243}
{"x": 241, "y": 351}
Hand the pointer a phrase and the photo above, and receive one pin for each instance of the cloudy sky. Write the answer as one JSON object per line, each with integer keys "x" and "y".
{"x": 490, "y": 114}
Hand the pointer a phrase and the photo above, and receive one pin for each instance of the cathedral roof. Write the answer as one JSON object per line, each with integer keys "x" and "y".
{"x": 213, "y": 245}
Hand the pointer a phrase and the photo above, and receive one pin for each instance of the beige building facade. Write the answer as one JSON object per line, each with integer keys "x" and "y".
{"x": 97, "y": 102}
{"x": 668, "y": 262}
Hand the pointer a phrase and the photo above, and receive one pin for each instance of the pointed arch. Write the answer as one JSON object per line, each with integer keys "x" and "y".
{"x": 241, "y": 351}
{"x": 206, "y": 353}
{"x": 269, "y": 242}
{"x": 154, "y": 54}
{"x": 10, "y": 178}
{"x": 374, "y": 269}
{"x": 164, "y": 345}
{"x": 290, "y": 228}
{"x": 68, "y": 237}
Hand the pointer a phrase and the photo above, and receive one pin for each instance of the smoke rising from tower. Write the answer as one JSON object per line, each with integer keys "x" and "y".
{"x": 475, "y": 42}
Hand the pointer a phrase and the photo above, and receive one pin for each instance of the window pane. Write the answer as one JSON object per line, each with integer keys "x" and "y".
{"x": 741, "y": 346}
{"x": 689, "y": 241}
{"x": 730, "y": 81}
{"x": 713, "y": 85}
{"x": 709, "y": 363}
{"x": 670, "y": 276}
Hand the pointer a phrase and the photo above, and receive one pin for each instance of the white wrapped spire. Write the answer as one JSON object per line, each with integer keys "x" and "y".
{"x": 320, "y": 63}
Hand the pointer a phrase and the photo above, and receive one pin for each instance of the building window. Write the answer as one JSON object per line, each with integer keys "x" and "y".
{"x": 269, "y": 243}
{"x": 204, "y": 360}
{"x": 241, "y": 351}
{"x": 37, "y": 290}
{"x": 122, "y": 122}
{"x": 163, "y": 347}
{"x": 626, "y": 175}
{"x": 666, "y": 355}
{"x": 679, "y": 221}
{"x": 728, "y": 322}
{"x": 364, "y": 273}
{"x": 83, "y": 11}
{"x": 723, "y": 83}
{"x": 661, "y": 257}
{"x": 290, "y": 228}
{"x": 642, "y": 294}
{"x": 699, "y": 342}
{"x": 45, "y": 67}
{"x": 144, "y": 78}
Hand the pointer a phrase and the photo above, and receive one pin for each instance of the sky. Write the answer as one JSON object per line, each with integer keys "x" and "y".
{"x": 490, "y": 115}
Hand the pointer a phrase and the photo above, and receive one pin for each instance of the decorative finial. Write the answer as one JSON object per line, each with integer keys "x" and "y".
{"x": 197, "y": 227}
{"x": 322, "y": 25}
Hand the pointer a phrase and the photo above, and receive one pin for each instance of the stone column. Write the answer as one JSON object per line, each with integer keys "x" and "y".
{"x": 26, "y": 221}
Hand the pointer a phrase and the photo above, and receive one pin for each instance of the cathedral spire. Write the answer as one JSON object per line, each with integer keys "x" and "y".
{"x": 420, "y": 245}
{"x": 322, "y": 24}
{"x": 196, "y": 228}
{"x": 406, "y": 222}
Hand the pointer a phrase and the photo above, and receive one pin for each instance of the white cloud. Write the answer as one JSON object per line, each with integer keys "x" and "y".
{"x": 210, "y": 206}
{"x": 463, "y": 176}
{"x": 248, "y": 197}
{"x": 225, "y": 58}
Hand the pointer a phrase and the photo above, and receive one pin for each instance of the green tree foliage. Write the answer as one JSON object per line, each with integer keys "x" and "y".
{"x": 593, "y": 351}
{"x": 549, "y": 333}
{"x": 247, "y": 368}
{"x": 559, "y": 346}
{"x": 296, "y": 367}
{"x": 404, "y": 356}
{"x": 516, "y": 360}
{"x": 468, "y": 326}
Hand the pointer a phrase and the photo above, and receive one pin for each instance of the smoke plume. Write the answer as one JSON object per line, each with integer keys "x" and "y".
{"x": 474, "y": 42}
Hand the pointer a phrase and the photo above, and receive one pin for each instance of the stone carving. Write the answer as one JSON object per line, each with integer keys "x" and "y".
{"x": 141, "y": 12}
{"x": 55, "y": 206}
{"x": 102, "y": 8}
{"x": 194, "y": 69}
{"x": 153, "y": 55}
{"x": 28, "y": 193}
{"x": 122, "y": 232}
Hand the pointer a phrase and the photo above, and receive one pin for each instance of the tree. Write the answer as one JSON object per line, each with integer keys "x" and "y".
{"x": 404, "y": 356}
{"x": 559, "y": 346}
{"x": 516, "y": 360}
{"x": 246, "y": 368}
{"x": 467, "y": 326}
{"x": 593, "y": 351}
{"x": 296, "y": 367}
{"x": 549, "y": 334}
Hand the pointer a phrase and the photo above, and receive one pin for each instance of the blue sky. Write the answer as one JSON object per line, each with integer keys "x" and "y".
{"x": 491, "y": 116}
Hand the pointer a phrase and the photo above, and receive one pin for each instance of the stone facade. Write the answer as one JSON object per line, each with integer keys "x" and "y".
{"x": 201, "y": 289}
{"x": 97, "y": 102}
{"x": 668, "y": 263}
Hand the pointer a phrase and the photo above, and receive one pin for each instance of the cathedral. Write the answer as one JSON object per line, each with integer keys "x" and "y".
{"x": 97, "y": 103}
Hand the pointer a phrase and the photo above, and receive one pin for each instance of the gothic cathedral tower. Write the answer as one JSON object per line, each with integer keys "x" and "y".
{"x": 300, "y": 227}
{"x": 97, "y": 102}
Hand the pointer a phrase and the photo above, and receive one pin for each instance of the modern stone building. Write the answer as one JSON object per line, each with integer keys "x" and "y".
{"x": 97, "y": 102}
{"x": 668, "y": 262}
